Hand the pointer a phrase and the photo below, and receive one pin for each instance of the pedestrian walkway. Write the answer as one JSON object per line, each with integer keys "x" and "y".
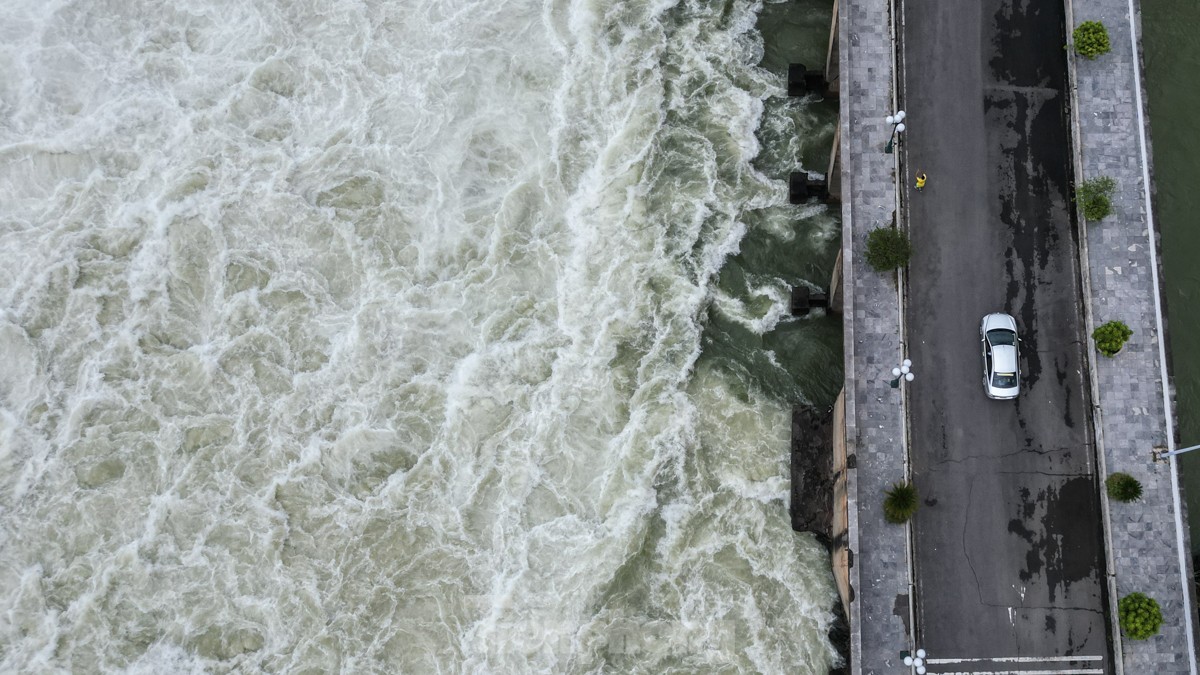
{"x": 880, "y": 613}
{"x": 1147, "y": 538}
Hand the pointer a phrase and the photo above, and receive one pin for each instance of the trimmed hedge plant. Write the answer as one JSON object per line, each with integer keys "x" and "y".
{"x": 1141, "y": 616}
{"x": 1111, "y": 337}
{"x": 1095, "y": 197}
{"x": 887, "y": 249}
{"x": 1123, "y": 487}
{"x": 1091, "y": 39}
{"x": 900, "y": 503}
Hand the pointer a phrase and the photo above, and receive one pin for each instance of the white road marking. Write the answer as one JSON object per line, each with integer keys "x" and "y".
{"x": 1047, "y": 660}
{"x": 1086, "y": 671}
{"x": 1019, "y": 659}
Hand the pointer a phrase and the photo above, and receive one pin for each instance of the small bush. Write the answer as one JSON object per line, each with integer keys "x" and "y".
{"x": 887, "y": 249}
{"x": 900, "y": 503}
{"x": 1091, "y": 39}
{"x": 1123, "y": 487}
{"x": 1111, "y": 337}
{"x": 1095, "y": 197}
{"x": 1141, "y": 616}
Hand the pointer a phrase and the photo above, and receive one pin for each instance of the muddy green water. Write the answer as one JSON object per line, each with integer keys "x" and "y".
{"x": 409, "y": 337}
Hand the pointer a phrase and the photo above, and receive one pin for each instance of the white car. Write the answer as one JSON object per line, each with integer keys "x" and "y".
{"x": 1001, "y": 372}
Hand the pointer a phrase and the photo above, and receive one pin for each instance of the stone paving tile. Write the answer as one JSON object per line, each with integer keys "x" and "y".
{"x": 1130, "y": 403}
{"x": 874, "y": 430}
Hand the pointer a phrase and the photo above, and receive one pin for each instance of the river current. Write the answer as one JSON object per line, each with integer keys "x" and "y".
{"x": 379, "y": 337}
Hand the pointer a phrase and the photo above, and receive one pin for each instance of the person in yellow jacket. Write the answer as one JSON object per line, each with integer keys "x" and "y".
{"x": 920, "y": 181}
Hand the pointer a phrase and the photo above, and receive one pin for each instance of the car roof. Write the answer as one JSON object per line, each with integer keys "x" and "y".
{"x": 999, "y": 320}
{"x": 1004, "y": 358}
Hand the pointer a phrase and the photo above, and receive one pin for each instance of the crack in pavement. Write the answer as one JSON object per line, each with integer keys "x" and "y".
{"x": 1047, "y": 473}
{"x": 1002, "y": 456}
{"x": 966, "y": 553}
{"x": 1000, "y": 605}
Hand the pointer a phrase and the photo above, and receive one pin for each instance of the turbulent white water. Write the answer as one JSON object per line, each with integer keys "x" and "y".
{"x": 363, "y": 336}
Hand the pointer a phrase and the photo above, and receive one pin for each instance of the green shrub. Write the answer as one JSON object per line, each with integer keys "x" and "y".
{"x": 1091, "y": 39}
{"x": 1141, "y": 616}
{"x": 900, "y": 503}
{"x": 1095, "y": 197}
{"x": 887, "y": 249}
{"x": 1111, "y": 337}
{"x": 1123, "y": 487}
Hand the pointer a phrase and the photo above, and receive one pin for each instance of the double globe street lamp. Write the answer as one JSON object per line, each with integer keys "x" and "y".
{"x": 916, "y": 661}
{"x": 903, "y": 372}
{"x": 896, "y": 119}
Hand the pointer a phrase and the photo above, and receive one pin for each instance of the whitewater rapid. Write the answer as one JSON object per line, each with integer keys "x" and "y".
{"x": 365, "y": 337}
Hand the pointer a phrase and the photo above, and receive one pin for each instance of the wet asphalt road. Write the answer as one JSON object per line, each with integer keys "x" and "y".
{"x": 1008, "y": 544}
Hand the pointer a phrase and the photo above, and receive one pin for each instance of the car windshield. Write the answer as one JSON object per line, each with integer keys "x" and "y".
{"x": 1004, "y": 380}
{"x": 1002, "y": 337}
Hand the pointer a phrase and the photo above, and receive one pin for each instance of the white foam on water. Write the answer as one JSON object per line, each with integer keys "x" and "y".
{"x": 363, "y": 336}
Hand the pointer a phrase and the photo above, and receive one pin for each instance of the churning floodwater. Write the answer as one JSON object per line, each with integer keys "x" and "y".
{"x": 413, "y": 337}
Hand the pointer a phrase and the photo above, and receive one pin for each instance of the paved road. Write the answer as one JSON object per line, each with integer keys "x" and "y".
{"x": 1009, "y": 553}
